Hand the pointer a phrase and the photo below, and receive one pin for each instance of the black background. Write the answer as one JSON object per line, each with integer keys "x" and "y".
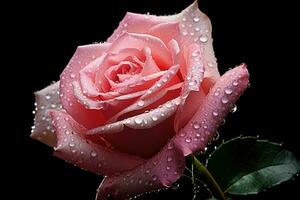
{"x": 46, "y": 34}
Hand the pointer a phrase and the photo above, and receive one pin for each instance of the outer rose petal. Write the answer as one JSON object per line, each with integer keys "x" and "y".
{"x": 160, "y": 171}
{"x": 221, "y": 98}
{"x": 46, "y": 99}
{"x": 82, "y": 57}
{"x": 72, "y": 147}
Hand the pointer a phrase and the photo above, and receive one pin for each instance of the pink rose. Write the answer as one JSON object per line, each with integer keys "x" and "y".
{"x": 133, "y": 107}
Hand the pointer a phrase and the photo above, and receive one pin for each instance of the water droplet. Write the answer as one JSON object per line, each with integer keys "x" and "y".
{"x": 193, "y": 83}
{"x": 164, "y": 79}
{"x": 195, "y": 53}
{"x": 71, "y": 144}
{"x": 182, "y": 133}
{"x": 196, "y": 19}
{"x": 48, "y": 97}
{"x": 138, "y": 120}
{"x": 192, "y": 33}
{"x": 169, "y": 159}
{"x": 197, "y": 29}
{"x": 141, "y": 103}
{"x": 235, "y": 83}
{"x": 72, "y": 75}
{"x": 140, "y": 181}
{"x": 215, "y": 113}
{"x": 228, "y": 91}
{"x": 184, "y": 32}
{"x": 196, "y": 125}
{"x": 217, "y": 93}
{"x": 202, "y": 139}
{"x": 158, "y": 84}
{"x": 216, "y": 137}
{"x": 154, "y": 178}
{"x": 168, "y": 104}
{"x": 67, "y": 132}
{"x": 184, "y": 19}
{"x": 203, "y": 38}
{"x": 210, "y": 64}
{"x": 188, "y": 139}
{"x": 125, "y": 25}
{"x": 233, "y": 110}
{"x": 147, "y": 171}
{"x": 154, "y": 117}
{"x": 224, "y": 100}
{"x": 154, "y": 163}
{"x": 168, "y": 168}
{"x": 170, "y": 146}
{"x": 93, "y": 154}
{"x": 205, "y": 127}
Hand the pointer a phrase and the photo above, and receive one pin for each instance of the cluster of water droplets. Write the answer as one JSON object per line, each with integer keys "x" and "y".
{"x": 47, "y": 99}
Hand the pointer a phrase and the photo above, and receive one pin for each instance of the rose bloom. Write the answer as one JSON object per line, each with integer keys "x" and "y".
{"x": 133, "y": 107}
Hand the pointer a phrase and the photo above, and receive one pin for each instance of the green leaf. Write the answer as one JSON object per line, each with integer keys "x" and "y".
{"x": 246, "y": 165}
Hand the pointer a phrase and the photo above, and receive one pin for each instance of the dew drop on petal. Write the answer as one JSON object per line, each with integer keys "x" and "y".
{"x": 184, "y": 32}
{"x": 71, "y": 144}
{"x": 224, "y": 100}
{"x": 48, "y": 97}
{"x": 196, "y": 19}
{"x": 72, "y": 75}
{"x": 233, "y": 110}
{"x": 215, "y": 113}
{"x": 154, "y": 178}
{"x": 93, "y": 154}
{"x": 154, "y": 117}
{"x": 188, "y": 140}
{"x": 138, "y": 120}
{"x": 235, "y": 83}
{"x": 196, "y": 125}
{"x": 169, "y": 159}
{"x": 203, "y": 38}
{"x": 141, "y": 103}
{"x": 228, "y": 91}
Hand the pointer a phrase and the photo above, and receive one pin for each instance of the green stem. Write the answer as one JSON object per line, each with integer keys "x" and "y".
{"x": 213, "y": 185}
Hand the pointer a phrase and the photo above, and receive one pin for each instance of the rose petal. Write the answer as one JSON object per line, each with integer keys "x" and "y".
{"x": 150, "y": 67}
{"x": 160, "y": 52}
{"x": 134, "y": 23}
{"x": 221, "y": 98}
{"x": 81, "y": 58}
{"x": 160, "y": 171}
{"x": 46, "y": 99}
{"x": 74, "y": 148}
{"x": 143, "y": 134}
{"x": 195, "y": 27}
{"x": 169, "y": 76}
{"x": 153, "y": 118}
{"x": 143, "y": 103}
{"x": 192, "y": 84}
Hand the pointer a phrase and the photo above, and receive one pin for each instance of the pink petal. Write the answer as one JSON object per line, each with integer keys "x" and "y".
{"x": 169, "y": 76}
{"x": 160, "y": 171}
{"x": 150, "y": 66}
{"x": 46, "y": 99}
{"x": 196, "y": 28}
{"x": 221, "y": 98}
{"x": 160, "y": 52}
{"x": 192, "y": 84}
{"x": 81, "y": 58}
{"x": 166, "y": 31}
{"x": 74, "y": 148}
{"x": 143, "y": 134}
{"x": 114, "y": 58}
{"x": 134, "y": 23}
{"x": 87, "y": 78}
